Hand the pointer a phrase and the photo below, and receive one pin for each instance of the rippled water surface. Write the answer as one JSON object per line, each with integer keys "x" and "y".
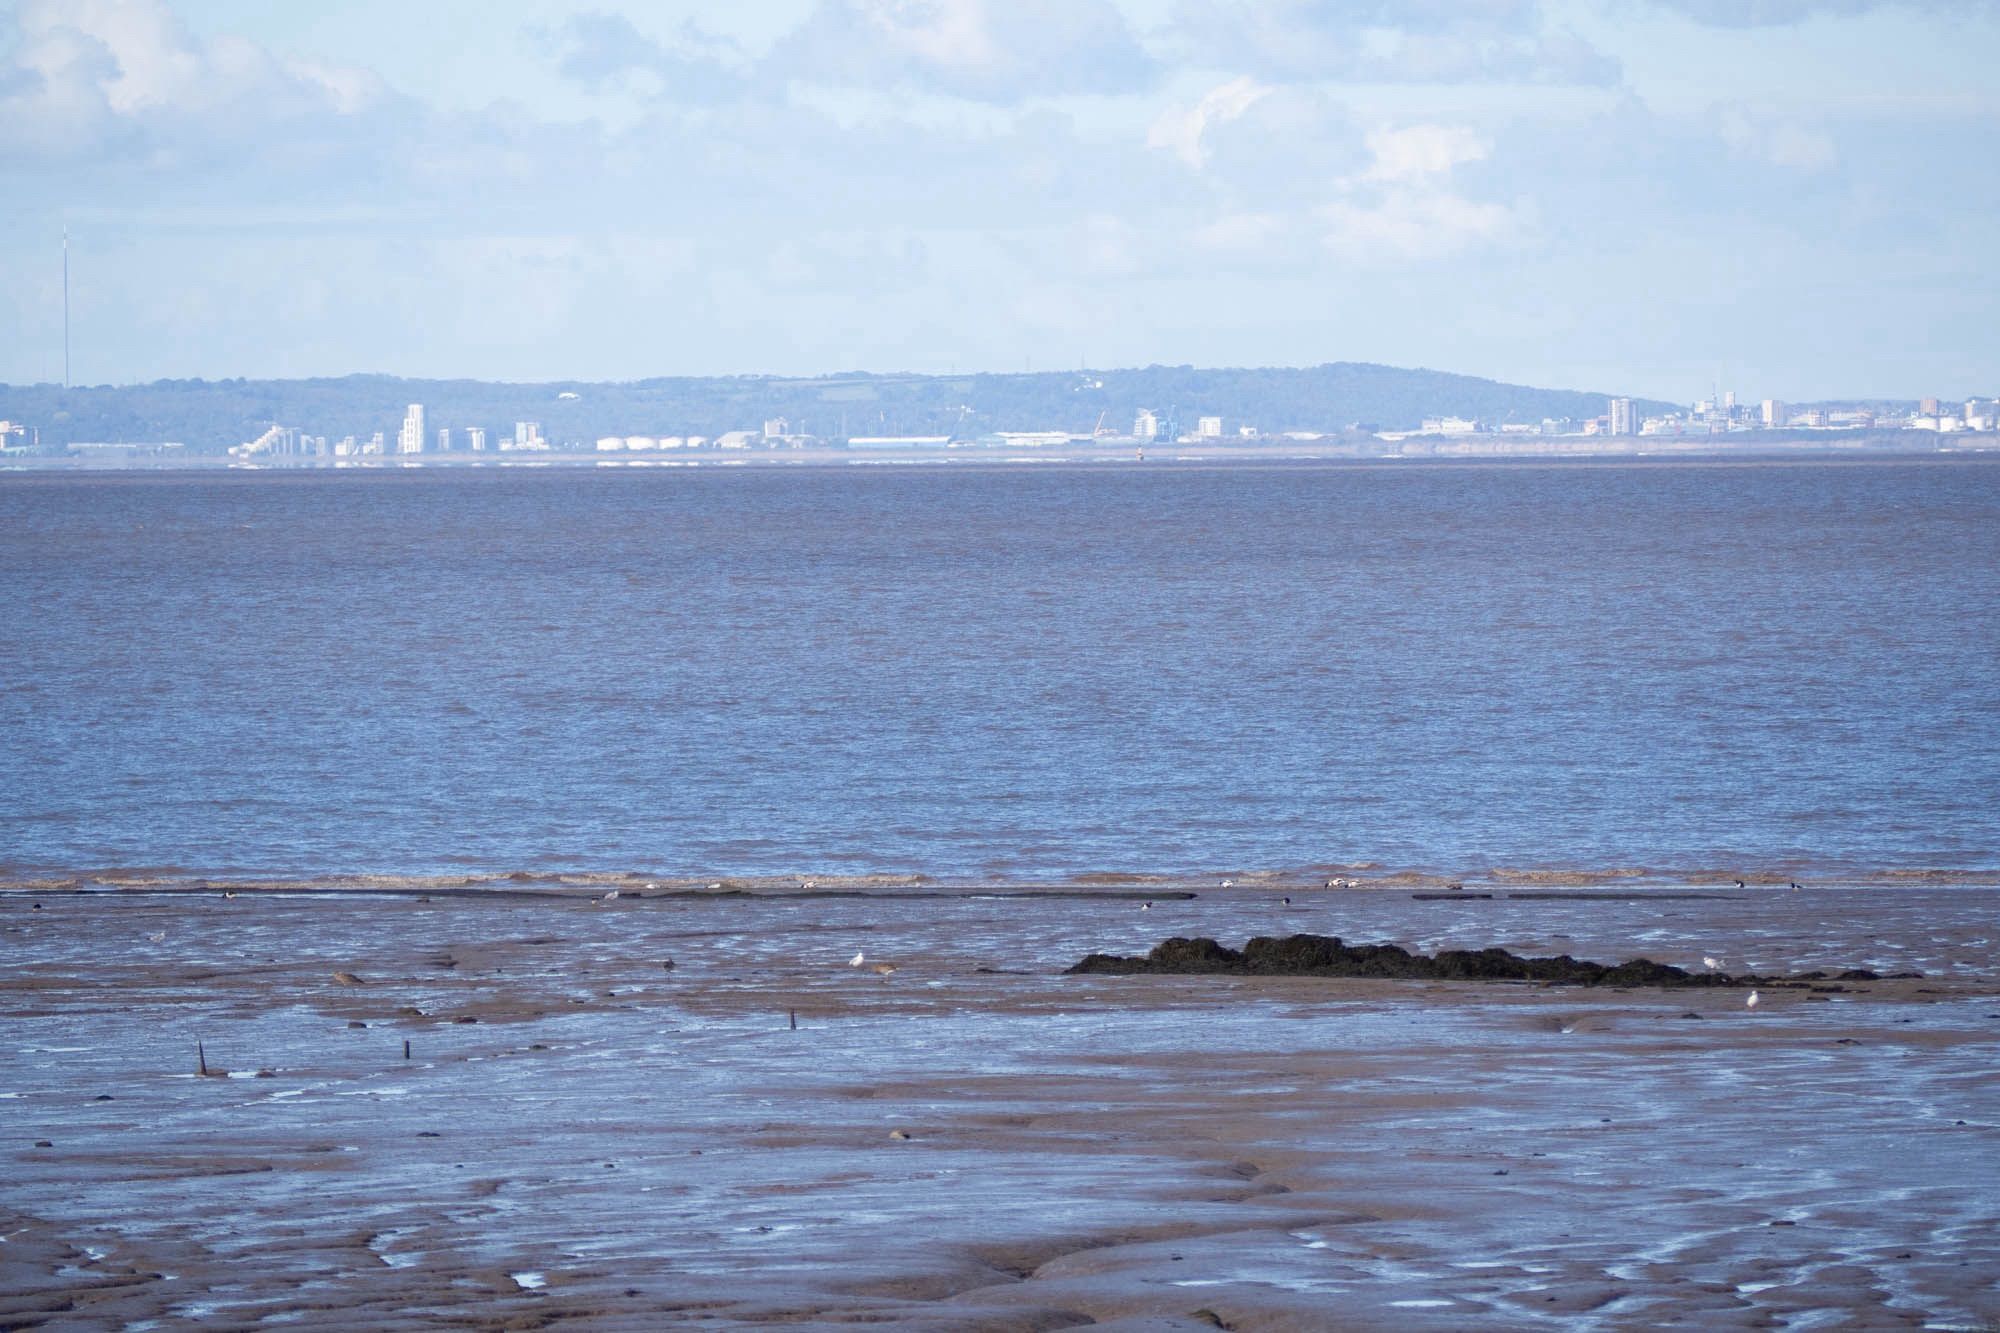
{"x": 1016, "y": 673}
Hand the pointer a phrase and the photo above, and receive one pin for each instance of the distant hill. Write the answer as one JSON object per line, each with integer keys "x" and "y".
{"x": 211, "y": 415}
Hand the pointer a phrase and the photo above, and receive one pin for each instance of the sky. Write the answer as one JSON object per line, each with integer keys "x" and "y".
{"x": 1789, "y": 198}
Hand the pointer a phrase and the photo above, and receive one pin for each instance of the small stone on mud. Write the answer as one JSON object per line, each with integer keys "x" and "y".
{"x": 103, "y": 1097}
{"x": 356, "y": 1023}
{"x": 465, "y": 1018}
{"x": 43, "y": 1143}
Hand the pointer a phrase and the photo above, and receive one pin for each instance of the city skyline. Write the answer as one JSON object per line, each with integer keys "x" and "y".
{"x": 1778, "y": 194}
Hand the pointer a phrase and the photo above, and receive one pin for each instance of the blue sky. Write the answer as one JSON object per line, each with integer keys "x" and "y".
{"x": 1794, "y": 198}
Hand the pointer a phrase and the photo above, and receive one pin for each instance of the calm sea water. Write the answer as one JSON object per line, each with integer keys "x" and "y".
{"x": 1016, "y": 673}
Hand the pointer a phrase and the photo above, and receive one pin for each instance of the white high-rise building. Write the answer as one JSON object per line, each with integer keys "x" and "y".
{"x": 1775, "y": 416}
{"x": 444, "y": 439}
{"x": 1208, "y": 428}
{"x": 410, "y": 440}
{"x": 475, "y": 439}
{"x": 1621, "y": 417}
{"x": 1147, "y": 425}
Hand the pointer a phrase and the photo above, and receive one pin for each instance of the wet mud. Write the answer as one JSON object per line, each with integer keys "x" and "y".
{"x": 512, "y": 1112}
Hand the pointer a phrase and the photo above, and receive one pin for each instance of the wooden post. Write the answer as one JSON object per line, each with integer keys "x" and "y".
{"x": 200, "y": 1060}
{"x": 406, "y": 1048}
{"x": 795, "y": 1018}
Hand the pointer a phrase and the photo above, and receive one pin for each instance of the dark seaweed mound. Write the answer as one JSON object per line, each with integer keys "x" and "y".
{"x": 1328, "y": 956}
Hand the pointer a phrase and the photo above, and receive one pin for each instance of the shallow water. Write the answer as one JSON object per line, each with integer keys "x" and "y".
{"x": 1002, "y": 673}
{"x": 650, "y": 1143}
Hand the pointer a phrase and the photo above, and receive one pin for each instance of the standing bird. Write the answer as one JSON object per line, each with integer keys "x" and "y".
{"x": 1751, "y": 1003}
{"x": 857, "y": 960}
{"x": 1739, "y": 883}
{"x": 1710, "y": 963}
{"x": 884, "y": 970}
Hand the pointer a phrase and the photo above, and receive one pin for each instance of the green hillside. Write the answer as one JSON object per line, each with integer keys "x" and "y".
{"x": 211, "y": 415}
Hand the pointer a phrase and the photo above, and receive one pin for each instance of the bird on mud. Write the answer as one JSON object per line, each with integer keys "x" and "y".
{"x": 857, "y": 960}
{"x": 1710, "y": 963}
{"x": 158, "y": 937}
{"x": 884, "y": 970}
{"x": 1751, "y": 1003}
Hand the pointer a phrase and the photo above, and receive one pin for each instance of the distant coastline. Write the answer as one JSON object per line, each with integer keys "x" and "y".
{"x": 1740, "y": 447}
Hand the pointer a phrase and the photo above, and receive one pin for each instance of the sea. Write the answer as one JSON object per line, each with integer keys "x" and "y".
{"x": 1025, "y": 673}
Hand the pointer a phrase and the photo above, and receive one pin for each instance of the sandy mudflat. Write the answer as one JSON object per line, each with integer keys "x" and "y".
{"x": 975, "y": 1140}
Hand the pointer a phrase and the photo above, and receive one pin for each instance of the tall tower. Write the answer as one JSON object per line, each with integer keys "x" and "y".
{"x": 65, "y": 307}
{"x": 410, "y": 440}
{"x": 1621, "y": 417}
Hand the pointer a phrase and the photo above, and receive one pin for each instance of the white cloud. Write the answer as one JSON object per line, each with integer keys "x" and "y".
{"x": 1404, "y": 207}
{"x": 1417, "y": 151}
{"x": 1391, "y": 41}
{"x": 126, "y": 76}
{"x": 1240, "y": 233}
{"x": 1782, "y": 144}
{"x": 1413, "y": 224}
{"x": 1180, "y": 132}
{"x": 1001, "y": 51}
{"x": 693, "y": 65}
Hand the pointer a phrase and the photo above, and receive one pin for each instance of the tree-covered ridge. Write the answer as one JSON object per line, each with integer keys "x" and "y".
{"x": 210, "y": 415}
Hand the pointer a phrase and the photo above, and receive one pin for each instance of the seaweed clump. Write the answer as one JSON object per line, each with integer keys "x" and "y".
{"x": 1329, "y": 956}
